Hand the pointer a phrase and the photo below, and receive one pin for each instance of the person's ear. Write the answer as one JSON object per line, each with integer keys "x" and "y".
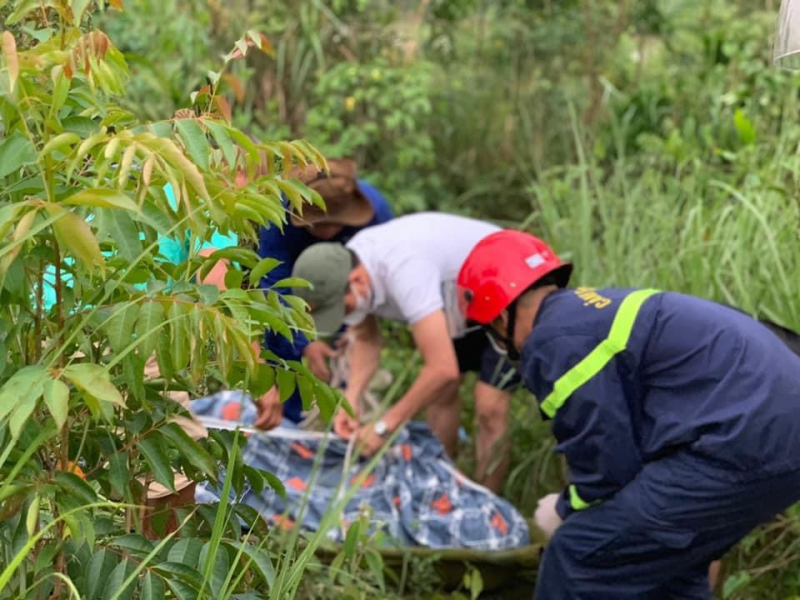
{"x": 354, "y": 277}
{"x": 359, "y": 276}
{"x": 501, "y": 322}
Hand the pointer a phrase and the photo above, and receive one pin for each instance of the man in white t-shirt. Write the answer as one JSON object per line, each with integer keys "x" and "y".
{"x": 405, "y": 270}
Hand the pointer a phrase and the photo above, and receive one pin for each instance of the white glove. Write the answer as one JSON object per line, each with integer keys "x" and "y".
{"x": 546, "y": 517}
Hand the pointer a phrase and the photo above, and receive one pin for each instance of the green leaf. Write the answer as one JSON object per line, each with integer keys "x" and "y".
{"x": 8, "y": 215}
{"x": 59, "y": 142}
{"x": 735, "y": 583}
{"x": 215, "y": 563}
{"x": 76, "y": 487}
{"x": 254, "y": 477}
{"x": 26, "y": 382}
{"x": 351, "y": 539}
{"x": 292, "y": 282}
{"x": 155, "y": 454}
{"x": 22, "y": 413}
{"x": 259, "y": 560}
{"x": 286, "y": 383}
{"x": 120, "y": 326}
{"x": 56, "y": 398}
{"x": 15, "y": 152}
{"x": 168, "y": 151}
{"x": 179, "y": 335}
{"x": 233, "y": 278}
{"x": 160, "y": 129}
{"x": 126, "y": 236}
{"x": 209, "y": 294}
{"x": 99, "y": 568}
{"x": 476, "y": 585}
{"x": 327, "y": 400}
{"x": 243, "y": 256}
{"x": 75, "y": 235}
{"x": 194, "y": 140}
{"x": 83, "y": 126}
{"x": 181, "y": 590}
{"x": 113, "y": 587}
{"x": 95, "y": 381}
{"x": 306, "y": 387}
{"x": 242, "y": 140}
{"x": 78, "y": 8}
{"x": 375, "y": 564}
{"x": 152, "y": 587}
{"x": 103, "y": 198}
{"x": 151, "y": 319}
{"x": 186, "y": 552}
{"x": 164, "y": 355}
{"x": 744, "y": 127}
{"x": 297, "y": 192}
{"x": 223, "y": 141}
{"x": 275, "y": 483}
{"x": 45, "y": 556}
{"x": 134, "y": 542}
{"x": 119, "y": 474}
{"x": 263, "y": 267}
{"x": 190, "y": 449}
{"x": 32, "y": 517}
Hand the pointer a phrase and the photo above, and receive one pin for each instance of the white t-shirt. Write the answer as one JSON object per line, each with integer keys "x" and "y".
{"x": 414, "y": 261}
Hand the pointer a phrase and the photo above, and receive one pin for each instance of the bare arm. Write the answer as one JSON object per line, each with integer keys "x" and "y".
{"x": 365, "y": 358}
{"x": 439, "y": 372}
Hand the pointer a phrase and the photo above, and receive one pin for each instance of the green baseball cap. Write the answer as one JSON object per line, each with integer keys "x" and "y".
{"x": 326, "y": 266}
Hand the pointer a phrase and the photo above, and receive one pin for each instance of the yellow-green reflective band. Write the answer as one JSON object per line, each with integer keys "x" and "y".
{"x": 576, "y": 501}
{"x": 598, "y": 358}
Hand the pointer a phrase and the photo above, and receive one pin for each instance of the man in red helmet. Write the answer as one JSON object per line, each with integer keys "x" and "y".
{"x": 679, "y": 419}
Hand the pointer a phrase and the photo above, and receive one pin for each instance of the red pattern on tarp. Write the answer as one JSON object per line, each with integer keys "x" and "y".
{"x": 232, "y": 411}
{"x": 302, "y": 450}
{"x": 407, "y": 453}
{"x": 442, "y": 504}
{"x": 368, "y": 482}
{"x": 297, "y": 484}
{"x": 499, "y": 523}
{"x": 283, "y": 522}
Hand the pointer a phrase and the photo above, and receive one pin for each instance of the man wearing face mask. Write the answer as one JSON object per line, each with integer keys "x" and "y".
{"x": 679, "y": 419}
{"x": 351, "y": 205}
{"x": 405, "y": 271}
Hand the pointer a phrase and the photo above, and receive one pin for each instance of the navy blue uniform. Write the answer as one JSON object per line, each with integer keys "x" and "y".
{"x": 286, "y": 246}
{"x": 681, "y": 444}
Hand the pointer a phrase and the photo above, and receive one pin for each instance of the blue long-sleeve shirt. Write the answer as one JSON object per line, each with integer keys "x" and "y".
{"x": 695, "y": 377}
{"x": 286, "y": 246}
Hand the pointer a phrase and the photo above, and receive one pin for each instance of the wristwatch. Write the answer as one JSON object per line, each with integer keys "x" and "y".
{"x": 381, "y": 429}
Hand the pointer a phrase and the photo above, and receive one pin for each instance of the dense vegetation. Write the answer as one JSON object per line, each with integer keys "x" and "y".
{"x": 652, "y": 142}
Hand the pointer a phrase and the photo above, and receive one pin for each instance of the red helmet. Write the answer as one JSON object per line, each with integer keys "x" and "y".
{"x": 499, "y": 270}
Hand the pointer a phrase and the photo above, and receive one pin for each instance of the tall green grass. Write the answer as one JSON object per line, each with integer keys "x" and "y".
{"x": 688, "y": 228}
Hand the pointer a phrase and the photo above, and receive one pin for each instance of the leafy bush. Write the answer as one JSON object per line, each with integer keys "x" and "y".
{"x": 84, "y": 431}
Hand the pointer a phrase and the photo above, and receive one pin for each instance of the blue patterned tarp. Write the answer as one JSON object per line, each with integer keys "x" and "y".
{"x": 414, "y": 492}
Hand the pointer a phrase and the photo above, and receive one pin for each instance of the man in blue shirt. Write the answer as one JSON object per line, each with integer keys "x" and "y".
{"x": 351, "y": 205}
{"x": 679, "y": 419}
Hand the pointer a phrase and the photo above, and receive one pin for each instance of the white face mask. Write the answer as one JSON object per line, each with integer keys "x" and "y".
{"x": 362, "y": 309}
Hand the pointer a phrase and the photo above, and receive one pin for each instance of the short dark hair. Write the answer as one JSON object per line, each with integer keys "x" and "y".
{"x": 549, "y": 279}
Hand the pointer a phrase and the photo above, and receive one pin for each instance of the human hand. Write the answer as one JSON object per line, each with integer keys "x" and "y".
{"x": 317, "y": 354}
{"x": 270, "y": 410}
{"x": 546, "y": 517}
{"x": 344, "y": 425}
{"x": 367, "y": 441}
